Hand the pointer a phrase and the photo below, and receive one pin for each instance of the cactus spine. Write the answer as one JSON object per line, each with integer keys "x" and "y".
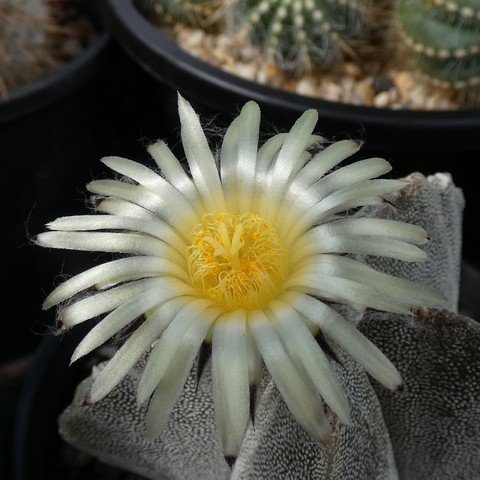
{"x": 298, "y": 34}
{"x": 444, "y": 39}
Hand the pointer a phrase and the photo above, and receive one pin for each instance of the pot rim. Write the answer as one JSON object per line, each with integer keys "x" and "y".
{"x": 32, "y": 96}
{"x": 145, "y": 42}
{"x": 49, "y": 366}
{"x": 26, "y": 399}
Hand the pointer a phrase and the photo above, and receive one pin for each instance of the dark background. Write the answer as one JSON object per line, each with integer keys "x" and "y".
{"x": 47, "y": 157}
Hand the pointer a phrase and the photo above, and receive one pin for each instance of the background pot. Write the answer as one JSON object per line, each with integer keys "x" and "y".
{"x": 46, "y": 136}
{"x": 36, "y": 451}
{"x": 412, "y": 140}
{"x": 48, "y": 131}
{"x": 52, "y": 134}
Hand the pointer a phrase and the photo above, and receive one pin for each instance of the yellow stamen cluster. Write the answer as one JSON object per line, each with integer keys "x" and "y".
{"x": 238, "y": 261}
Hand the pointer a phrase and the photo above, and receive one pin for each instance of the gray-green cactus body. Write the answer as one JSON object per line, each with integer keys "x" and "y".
{"x": 302, "y": 33}
{"x": 444, "y": 38}
{"x": 431, "y": 430}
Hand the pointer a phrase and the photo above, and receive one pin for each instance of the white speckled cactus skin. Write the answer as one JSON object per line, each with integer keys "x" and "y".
{"x": 407, "y": 435}
{"x": 302, "y": 33}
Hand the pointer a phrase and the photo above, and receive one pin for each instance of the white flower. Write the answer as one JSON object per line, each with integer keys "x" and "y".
{"x": 246, "y": 256}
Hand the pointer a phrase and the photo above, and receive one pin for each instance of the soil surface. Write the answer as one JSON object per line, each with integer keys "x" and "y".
{"x": 364, "y": 82}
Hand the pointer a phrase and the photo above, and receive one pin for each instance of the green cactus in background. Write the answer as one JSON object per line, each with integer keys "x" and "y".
{"x": 23, "y": 37}
{"x": 298, "y": 34}
{"x": 444, "y": 39}
{"x": 194, "y": 13}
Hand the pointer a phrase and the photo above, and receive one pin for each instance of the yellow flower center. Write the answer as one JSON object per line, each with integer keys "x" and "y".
{"x": 238, "y": 261}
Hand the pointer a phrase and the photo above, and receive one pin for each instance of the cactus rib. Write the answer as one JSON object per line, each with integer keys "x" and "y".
{"x": 444, "y": 38}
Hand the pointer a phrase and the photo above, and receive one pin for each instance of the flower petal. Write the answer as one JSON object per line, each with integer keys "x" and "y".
{"x": 170, "y": 386}
{"x": 228, "y": 163}
{"x": 231, "y": 393}
{"x": 152, "y": 226}
{"x": 167, "y": 345}
{"x": 342, "y": 178}
{"x": 300, "y": 344}
{"x": 379, "y": 227}
{"x": 126, "y": 313}
{"x": 341, "y": 289}
{"x": 268, "y": 152}
{"x": 123, "y": 208}
{"x": 175, "y": 174}
{"x": 103, "y": 302}
{"x": 362, "y": 244}
{"x": 301, "y": 398}
{"x": 133, "y": 348}
{"x": 295, "y": 204}
{"x": 348, "y": 337}
{"x": 281, "y": 173}
{"x": 134, "y": 243}
{"x": 110, "y": 273}
{"x": 254, "y": 361}
{"x": 151, "y": 181}
{"x": 164, "y": 208}
{"x": 267, "y": 157}
{"x": 297, "y": 140}
{"x": 247, "y": 154}
{"x": 399, "y": 289}
{"x": 358, "y": 195}
{"x": 200, "y": 158}
{"x": 322, "y": 163}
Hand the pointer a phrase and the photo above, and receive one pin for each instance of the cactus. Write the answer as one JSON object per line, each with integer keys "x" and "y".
{"x": 298, "y": 34}
{"x": 194, "y": 13}
{"x": 23, "y": 56}
{"x": 428, "y": 431}
{"x": 444, "y": 39}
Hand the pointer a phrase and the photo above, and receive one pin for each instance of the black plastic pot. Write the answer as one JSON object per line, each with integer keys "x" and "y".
{"x": 50, "y": 384}
{"x": 49, "y": 136}
{"x": 47, "y": 389}
{"x": 423, "y": 141}
{"x": 49, "y": 131}
{"x": 52, "y": 134}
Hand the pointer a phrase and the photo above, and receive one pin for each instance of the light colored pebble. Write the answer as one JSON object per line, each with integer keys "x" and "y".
{"x": 349, "y": 83}
{"x": 306, "y": 87}
{"x": 332, "y": 91}
{"x": 403, "y": 81}
{"x": 353, "y": 70}
{"x": 246, "y": 70}
{"x": 195, "y": 39}
{"x": 262, "y": 76}
{"x": 382, "y": 100}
